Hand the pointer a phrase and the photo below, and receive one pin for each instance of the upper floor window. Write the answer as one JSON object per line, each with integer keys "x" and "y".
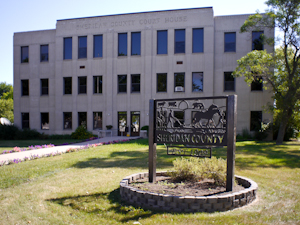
{"x": 81, "y": 85}
{"x": 68, "y": 48}
{"x": 97, "y": 84}
{"x": 197, "y": 85}
{"x": 122, "y": 83}
{"x": 44, "y": 86}
{"x": 162, "y": 42}
{"x": 122, "y": 44}
{"x": 229, "y": 82}
{"x": 198, "y": 40}
{"x": 82, "y": 47}
{"x": 44, "y": 53}
{"x": 98, "y": 46}
{"x": 24, "y": 54}
{"x": 178, "y": 82}
{"x": 161, "y": 82}
{"x": 229, "y": 42}
{"x": 257, "y": 84}
{"x": 45, "y": 121}
{"x": 136, "y": 43}
{"x": 135, "y": 83}
{"x": 25, "y": 120}
{"x": 179, "y": 41}
{"x": 257, "y": 40}
{"x": 25, "y": 87}
{"x": 67, "y": 85}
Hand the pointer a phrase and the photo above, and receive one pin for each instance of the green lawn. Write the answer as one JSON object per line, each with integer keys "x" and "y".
{"x": 83, "y": 187}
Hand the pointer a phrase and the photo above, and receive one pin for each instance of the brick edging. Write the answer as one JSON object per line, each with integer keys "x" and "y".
{"x": 170, "y": 203}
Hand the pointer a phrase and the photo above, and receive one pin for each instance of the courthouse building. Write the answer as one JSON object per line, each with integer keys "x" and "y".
{"x": 102, "y": 70}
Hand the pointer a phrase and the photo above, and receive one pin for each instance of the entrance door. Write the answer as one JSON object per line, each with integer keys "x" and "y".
{"x": 135, "y": 124}
{"x": 122, "y": 124}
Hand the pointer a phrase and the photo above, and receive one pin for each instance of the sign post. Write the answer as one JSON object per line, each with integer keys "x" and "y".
{"x": 152, "y": 144}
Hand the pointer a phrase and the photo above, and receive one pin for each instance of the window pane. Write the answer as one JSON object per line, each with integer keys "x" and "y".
{"x": 257, "y": 85}
{"x": 81, "y": 85}
{"x": 229, "y": 42}
{"x": 122, "y": 83}
{"x": 68, "y": 48}
{"x": 162, "y": 42}
{"x": 45, "y": 121}
{"x": 135, "y": 83}
{"x": 82, "y": 119}
{"x": 97, "y": 120}
{"x": 44, "y": 86}
{"x": 82, "y": 47}
{"x": 179, "y": 80}
{"x": 197, "y": 40}
{"x": 98, "y": 45}
{"x": 67, "y": 85}
{"x": 257, "y": 40}
{"x": 229, "y": 82}
{"x": 67, "y": 120}
{"x": 197, "y": 82}
{"x": 44, "y": 53}
{"x": 25, "y": 87}
{"x": 136, "y": 43}
{"x": 25, "y": 120}
{"x": 97, "y": 84}
{"x": 25, "y": 54}
{"x": 179, "y": 41}
{"x": 122, "y": 44}
{"x": 255, "y": 120}
{"x": 161, "y": 82}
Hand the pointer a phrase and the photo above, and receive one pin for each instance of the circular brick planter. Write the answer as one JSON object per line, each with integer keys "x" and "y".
{"x": 170, "y": 203}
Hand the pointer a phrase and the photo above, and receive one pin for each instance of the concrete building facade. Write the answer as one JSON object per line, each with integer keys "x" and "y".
{"x": 101, "y": 71}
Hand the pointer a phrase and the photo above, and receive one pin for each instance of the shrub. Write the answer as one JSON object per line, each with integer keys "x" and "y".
{"x": 146, "y": 128}
{"x": 27, "y": 134}
{"x": 8, "y": 132}
{"x": 81, "y": 133}
{"x": 195, "y": 169}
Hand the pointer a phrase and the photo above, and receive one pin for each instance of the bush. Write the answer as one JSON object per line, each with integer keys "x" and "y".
{"x": 8, "y": 132}
{"x": 27, "y": 134}
{"x": 81, "y": 133}
{"x": 195, "y": 169}
{"x": 146, "y": 128}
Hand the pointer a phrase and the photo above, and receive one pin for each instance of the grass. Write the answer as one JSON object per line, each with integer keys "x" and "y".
{"x": 83, "y": 187}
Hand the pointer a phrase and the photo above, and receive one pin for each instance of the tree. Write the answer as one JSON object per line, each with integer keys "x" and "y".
{"x": 280, "y": 70}
{"x": 4, "y": 88}
{"x": 6, "y": 101}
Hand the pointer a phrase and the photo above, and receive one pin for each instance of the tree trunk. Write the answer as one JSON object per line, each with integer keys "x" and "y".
{"x": 281, "y": 132}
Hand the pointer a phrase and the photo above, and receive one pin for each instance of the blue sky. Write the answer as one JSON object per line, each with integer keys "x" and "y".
{"x": 20, "y": 15}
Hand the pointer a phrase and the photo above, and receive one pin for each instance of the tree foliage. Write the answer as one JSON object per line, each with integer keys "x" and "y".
{"x": 6, "y": 101}
{"x": 280, "y": 70}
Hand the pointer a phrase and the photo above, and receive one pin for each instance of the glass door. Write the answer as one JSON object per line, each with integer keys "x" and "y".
{"x": 122, "y": 124}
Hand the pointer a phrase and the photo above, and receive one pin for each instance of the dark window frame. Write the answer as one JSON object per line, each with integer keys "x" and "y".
{"x": 177, "y": 46}
{"x": 134, "y": 84}
{"x": 69, "y": 87}
{"x": 67, "y": 48}
{"x": 120, "y": 44}
{"x": 97, "y": 121}
{"x": 229, "y": 83}
{"x": 82, "y": 119}
{"x": 195, "y": 41}
{"x": 123, "y": 84}
{"x": 25, "y": 87}
{"x": 96, "y": 44}
{"x": 82, "y": 85}
{"x": 136, "y": 52}
{"x": 82, "y": 50}
{"x": 44, "y": 86}
{"x": 25, "y": 121}
{"x": 67, "y": 126}
{"x": 255, "y": 125}
{"x": 175, "y": 82}
{"x": 257, "y": 84}
{"x": 194, "y": 89}
{"x": 257, "y": 40}
{"x": 44, "y": 56}
{"x": 162, "y": 45}
{"x": 24, "y": 53}
{"x": 164, "y": 89}
{"x": 228, "y": 43}
{"x": 97, "y": 84}
{"x": 44, "y": 120}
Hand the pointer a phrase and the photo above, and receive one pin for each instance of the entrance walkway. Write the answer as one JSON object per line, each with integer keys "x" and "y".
{"x": 45, "y": 151}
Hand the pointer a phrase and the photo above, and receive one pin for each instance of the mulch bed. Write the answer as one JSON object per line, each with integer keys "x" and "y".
{"x": 164, "y": 185}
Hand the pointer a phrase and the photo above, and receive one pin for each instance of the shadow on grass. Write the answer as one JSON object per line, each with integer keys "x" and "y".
{"x": 107, "y": 205}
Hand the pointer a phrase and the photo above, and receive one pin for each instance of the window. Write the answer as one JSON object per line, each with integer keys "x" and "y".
{"x": 257, "y": 40}
{"x": 197, "y": 85}
{"x": 122, "y": 83}
{"x": 97, "y": 120}
{"x": 44, "y": 86}
{"x": 45, "y": 121}
{"x": 135, "y": 83}
{"x": 67, "y": 85}
{"x": 162, "y": 42}
{"x": 179, "y": 81}
{"x": 25, "y": 120}
{"x": 82, "y": 47}
{"x": 179, "y": 118}
{"x": 82, "y": 119}
{"x": 25, "y": 87}
{"x": 97, "y": 84}
{"x": 67, "y": 120}
{"x": 44, "y": 53}
{"x": 257, "y": 84}
{"x": 229, "y": 82}
{"x": 81, "y": 85}
{"x": 98, "y": 46}
{"x": 198, "y": 40}
{"x": 255, "y": 120}
{"x": 179, "y": 41}
{"x": 161, "y": 82}
{"x": 229, "y": 42}
{"x": 68, "y": 48}
{"x": 24, "y": 54}
{"x": 136, "y": 43}
{"x": 122, "y": 44}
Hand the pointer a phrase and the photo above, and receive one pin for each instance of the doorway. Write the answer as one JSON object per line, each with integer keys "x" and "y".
{"x": 135, "y": 124}
{"x": 122, "y": 124}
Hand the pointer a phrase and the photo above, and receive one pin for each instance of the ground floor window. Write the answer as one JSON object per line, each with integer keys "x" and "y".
{"x": 178, "y": 82}
{"x": 45, "y": 121}
{"x": 97, "y": 120}
{"x": 82, "y": 119}
{"x": 229, "y": 82}
{"x": 25, "y": 120}
{"x": 255, "y": 120}
{"x": 67, "y": 120}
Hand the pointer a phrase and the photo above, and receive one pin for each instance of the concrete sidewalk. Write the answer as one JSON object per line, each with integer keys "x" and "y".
{"x": 58, "y": 149}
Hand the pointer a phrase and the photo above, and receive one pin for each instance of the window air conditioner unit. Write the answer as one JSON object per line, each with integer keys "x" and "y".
{"x": 179, "y": 89}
